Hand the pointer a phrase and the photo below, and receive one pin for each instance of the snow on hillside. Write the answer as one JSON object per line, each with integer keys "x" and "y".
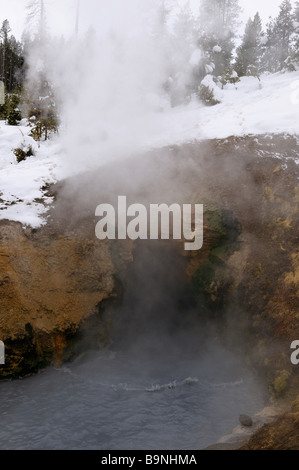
{"x": 248, "y": 107}
{"x": 21, "y": 183}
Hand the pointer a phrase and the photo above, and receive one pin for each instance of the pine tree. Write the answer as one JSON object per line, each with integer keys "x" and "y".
{"x": 218, "y": 25}
{"x": 296, "y": 33}
{"x": 184, "y": 34}
{"x": 219, "y": 17}
{"x": 13, "y": 114}
{"x": 37, "y": 17}
{"x": 164, "y": 8}
{"x": 42, "y": 113}
{"x": 39, "y": 97}
{"x": 249, "y": 54}
{"x": 4, "y": 35}
{"x": 280, "y": 31}
{"x": 11, "y": 74}
{"x": 11, "y": 59}
{"x": 184, "y": 26}
{"x": 283, "y": 29}
{"x": 269, "y": 60}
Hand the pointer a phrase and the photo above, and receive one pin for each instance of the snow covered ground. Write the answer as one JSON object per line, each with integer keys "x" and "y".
{"x": 249, "y": 107}
{"x": 21, "y": 183}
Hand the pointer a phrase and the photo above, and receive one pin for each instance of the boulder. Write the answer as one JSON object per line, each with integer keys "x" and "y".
{"x": 246, "y": 420}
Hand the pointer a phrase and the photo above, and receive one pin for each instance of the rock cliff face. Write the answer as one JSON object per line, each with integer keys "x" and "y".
{"x": 280, "y": 435}
{"x": 251, "y": 276}
{"x": 60, "y": 279}
{"x": 50, "y": 284}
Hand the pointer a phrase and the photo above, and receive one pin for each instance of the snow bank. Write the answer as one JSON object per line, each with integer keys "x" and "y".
{"x": 248, "y": 107}
{"x": 209, "y": 83}
{"x": 22, "y": 198}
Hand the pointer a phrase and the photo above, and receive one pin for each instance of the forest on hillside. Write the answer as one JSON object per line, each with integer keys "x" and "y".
{"x": 205, "y": 53}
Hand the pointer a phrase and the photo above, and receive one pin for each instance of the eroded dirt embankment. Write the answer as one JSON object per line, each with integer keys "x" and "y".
{"x": 51, "y": 282}
{"x": 56, "y": 280}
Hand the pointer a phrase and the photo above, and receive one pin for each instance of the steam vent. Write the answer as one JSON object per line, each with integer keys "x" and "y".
{"x": 149, "y": 228}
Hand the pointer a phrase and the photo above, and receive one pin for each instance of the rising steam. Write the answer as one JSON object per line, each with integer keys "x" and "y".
{"x": 109, "y": 81}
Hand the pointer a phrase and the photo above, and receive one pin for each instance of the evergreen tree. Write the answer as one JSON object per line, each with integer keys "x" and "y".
{"x": 13, "y": 114}
{"x": 283, "y": 29}
{"x": 11, "y": 59}
{"x": 219, "y": 17}
{"x": 184, "y": 34}
{"x": 296, "y": 33}
{"x": 163, "y": 11}
{"x": 42, "y": 112}
{"x": 218, "y": 25}
{"x": 37, "y": 17}
{"x": 39, "y": 98}
{"x": 279, "y": 39}
{"x": 249, "y": 54}
{"x": 184, "y": 27}
{"x": 269, "y": 59}
{"x": 4, "y": 35}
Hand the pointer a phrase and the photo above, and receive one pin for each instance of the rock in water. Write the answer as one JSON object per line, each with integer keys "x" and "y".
{"x": 245, "y": 420}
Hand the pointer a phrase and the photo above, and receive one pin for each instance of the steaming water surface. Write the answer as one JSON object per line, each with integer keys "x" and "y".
{"x": 168, "y": 383}
{"x": 116, "y": 401}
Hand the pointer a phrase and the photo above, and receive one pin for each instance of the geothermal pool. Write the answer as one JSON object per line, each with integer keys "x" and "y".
{"x": 166, "y": 383}
{"x": 117, "y": 401}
